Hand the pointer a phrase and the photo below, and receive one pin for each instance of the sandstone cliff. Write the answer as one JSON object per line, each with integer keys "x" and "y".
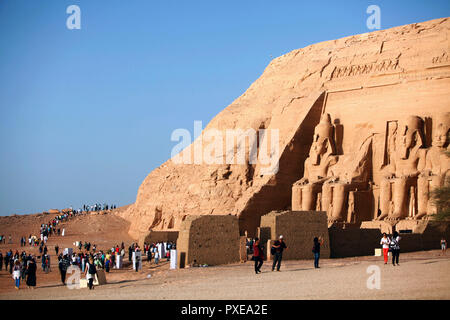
{"x": 362, "y": 81}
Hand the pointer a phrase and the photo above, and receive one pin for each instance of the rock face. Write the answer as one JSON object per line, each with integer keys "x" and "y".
{"x": 354, "y": 98}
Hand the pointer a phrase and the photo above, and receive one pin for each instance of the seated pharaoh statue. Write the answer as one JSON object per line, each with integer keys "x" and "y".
{"x": 352, "y": 175}
{"x": 318, "y": 167}
{"x": 399, "y": 182}
{"x": 437, "y": 167}
{"x": 329, "y": 178}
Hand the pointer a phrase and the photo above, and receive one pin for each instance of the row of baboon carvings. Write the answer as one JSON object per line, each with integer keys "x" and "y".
{"x": 383, "y": 65}
{"x": 410, "y": 170}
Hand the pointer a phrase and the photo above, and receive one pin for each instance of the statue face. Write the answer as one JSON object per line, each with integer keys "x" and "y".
{"x": 318, "y": 148}
{"x": 440, "y": 138}
{"x": 408, "y": 140}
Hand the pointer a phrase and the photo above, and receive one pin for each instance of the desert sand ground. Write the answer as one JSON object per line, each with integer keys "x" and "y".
{"x": 421, "y": 275}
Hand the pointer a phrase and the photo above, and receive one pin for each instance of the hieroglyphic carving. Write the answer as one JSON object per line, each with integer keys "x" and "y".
{"x": 391, "y": 136}
{"x": 443, "y": 58}
{"x": 353, "y": 70}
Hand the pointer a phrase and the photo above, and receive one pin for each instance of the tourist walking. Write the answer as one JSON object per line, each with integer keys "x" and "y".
{"x": 16, "y": 274}
{"x": 31, "y": 273}
{"x": 277, "y": 249}
{"x": 317, "y": 242}
{"x": 11, "y": 263}
{"x": 385, "y": 245}
{"x": 91, "y": 271}
{"x": 63, "y": 265}
{"x": 258, "y": 256}
{"x": 156, "y": 252}
{"x": 137, "y": 260}
{"x": 1, "y": 261}
{"x": 395, "y": 248}
{"x": 443, "y": 246}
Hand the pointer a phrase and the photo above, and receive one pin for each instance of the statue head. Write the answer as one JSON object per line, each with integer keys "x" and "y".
{"x": 441, "y": 130}
{"x": 323, "y": 142}
{"x": 410, "y": 135}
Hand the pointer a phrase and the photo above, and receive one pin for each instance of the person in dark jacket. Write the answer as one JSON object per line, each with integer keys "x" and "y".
{"x": 11, "y": 264}
{"x": 31, "y": 273}
{"x": 278, "y": 246}
{"x": 63, "y": 265}
{"x": 91, "y": 271}
{"x": 258, "y": 255}
{"x": 316, "y": 250}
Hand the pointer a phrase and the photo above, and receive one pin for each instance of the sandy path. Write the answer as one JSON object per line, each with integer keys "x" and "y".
{"x": 421, "y": 275}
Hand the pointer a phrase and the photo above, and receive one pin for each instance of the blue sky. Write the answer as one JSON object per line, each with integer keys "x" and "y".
{"x": 86, "y": 115}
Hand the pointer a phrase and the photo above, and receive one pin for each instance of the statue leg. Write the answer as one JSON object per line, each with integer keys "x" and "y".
{"x": 422, "y": 197}
{"x": 339, "y": 197}
{"x": 308, "y": 197}
{"x": 385, "y": 197}
{"x": 327, "y": 194}
{"x": 436, "y": 182}
{"x": 400, "y": 187}
{"x": 296, "y": 198}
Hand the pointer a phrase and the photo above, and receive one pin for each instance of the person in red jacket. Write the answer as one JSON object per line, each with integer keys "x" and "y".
{"x": 258, "y": 256}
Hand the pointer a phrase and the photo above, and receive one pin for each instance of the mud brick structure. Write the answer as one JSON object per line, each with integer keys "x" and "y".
{"x": 298, "y": 229}
{"x": 159, "y": 236}
{"x": 210, "y": 240}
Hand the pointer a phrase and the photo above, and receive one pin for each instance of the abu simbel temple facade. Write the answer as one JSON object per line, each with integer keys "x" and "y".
{"x": 363, "y": 130}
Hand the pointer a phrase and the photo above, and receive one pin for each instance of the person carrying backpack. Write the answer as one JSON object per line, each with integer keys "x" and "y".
{"x": 91, "y": 271}
{"x": 395, "y": 248}
{"x": 63, "y": 265}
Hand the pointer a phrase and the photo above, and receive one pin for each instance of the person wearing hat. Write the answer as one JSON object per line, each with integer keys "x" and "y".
{"x": 278, "y": 248}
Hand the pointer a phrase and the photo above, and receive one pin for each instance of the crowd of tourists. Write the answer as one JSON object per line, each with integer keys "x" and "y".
{"x": 156, "y": 251}
{"x": 22, "y": 267}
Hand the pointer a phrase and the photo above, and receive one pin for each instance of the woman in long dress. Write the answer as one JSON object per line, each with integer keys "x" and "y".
{"x": 31, "y": 273}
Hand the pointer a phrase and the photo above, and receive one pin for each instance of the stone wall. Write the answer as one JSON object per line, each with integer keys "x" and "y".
{"x": 298, "y": 229}
{"x": 211, "y": 240}
{"x": 426, "y": 235}
{"x": 159, "y": 236}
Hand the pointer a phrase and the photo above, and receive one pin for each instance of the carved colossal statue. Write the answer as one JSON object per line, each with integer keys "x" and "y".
{"x": 328, "y": 179}
{"x": 352, "y": 174}
{"x": 317, "y": 166}
{"x": 437, "y": 166}
{"x": 408, "y": 160}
